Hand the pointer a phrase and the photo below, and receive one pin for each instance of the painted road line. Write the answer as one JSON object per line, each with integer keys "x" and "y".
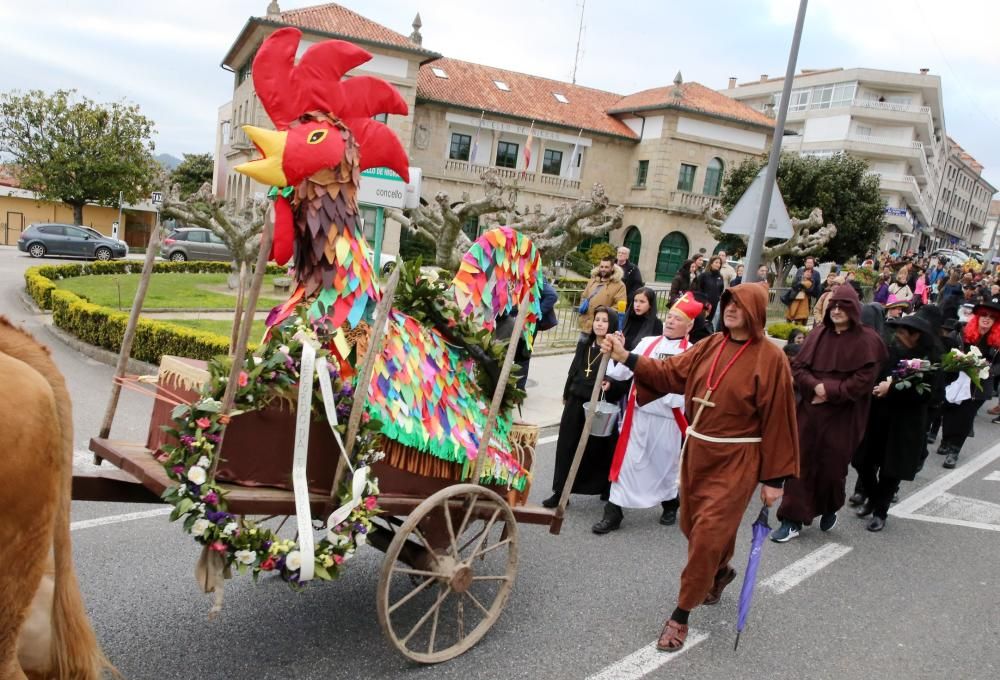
{"x": 646, "y": 660}
{"x": 117, "y": 519}
{"x": 917, "y": 500}
{"x": 949, "y": 520}
{"x": 992, "y": 477}
{"x": 798, "y": 571}
{"x": 974, "y": 510}
{"x": 548, "y": 440}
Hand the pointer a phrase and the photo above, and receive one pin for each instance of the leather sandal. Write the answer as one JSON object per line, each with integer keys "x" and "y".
{"x": 721, "y": 581}
{"x": 673, "y": 637}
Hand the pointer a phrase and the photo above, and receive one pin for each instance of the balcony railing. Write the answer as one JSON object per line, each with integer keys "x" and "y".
{"x": 887, "y": 141}
{"x": 889, "y": 106}
{"x": 688, "y": 201}
{"x": 548, "y": 182}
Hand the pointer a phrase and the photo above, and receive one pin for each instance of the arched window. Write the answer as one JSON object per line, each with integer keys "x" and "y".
{"x": 713, "y": 177}
{"x": 633, "y": 241}
{"x": 673, "y": 251}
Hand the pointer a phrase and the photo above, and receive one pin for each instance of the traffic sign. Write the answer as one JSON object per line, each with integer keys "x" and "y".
{"x": 744, "y": 214}
{"x": 157, "y": 197}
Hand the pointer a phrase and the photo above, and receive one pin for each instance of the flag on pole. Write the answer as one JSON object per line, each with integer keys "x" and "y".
{"x": 475, "y": 144}
{"x": 573, "y": 161}
{"x": 527, "y": 146}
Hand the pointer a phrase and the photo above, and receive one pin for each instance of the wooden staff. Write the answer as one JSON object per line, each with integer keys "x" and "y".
{"x": 382, "y": 312}
{"x": 508, "y": 362}
{"x": 556, "y": 525}
{"x": 133, "y": 321}
{"x": 239, "y": 352}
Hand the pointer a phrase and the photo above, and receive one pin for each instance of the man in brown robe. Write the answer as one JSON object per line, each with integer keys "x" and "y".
{"x": 834, "y": 372}
{"x": 744, "y": 435}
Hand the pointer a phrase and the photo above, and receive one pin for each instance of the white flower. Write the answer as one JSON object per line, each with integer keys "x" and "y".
{"x": 199, "y": 526}
{"x": 196, "y": 475}
{"x": 284, "y": 349}
{"x": 337, "y": 540}
{"x": 348, "y": 555}
{"x": 984, "y": 373}
{"x": 229, "y": 529}
{"x": 360, "y": 539}
{"x": 204, "y": 462}
{"x": 181, "y": 490}
{"x": 294, "y": 560}
{"x": 246, "y": 556}
{"x": 975, "y": 350}
{"x": 257, "y": 361}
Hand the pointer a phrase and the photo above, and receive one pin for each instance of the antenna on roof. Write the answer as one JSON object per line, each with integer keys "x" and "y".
{"x": 579, "y": 38}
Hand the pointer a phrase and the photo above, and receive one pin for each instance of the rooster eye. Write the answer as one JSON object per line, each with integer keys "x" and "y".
{"x": 316, "y": 137}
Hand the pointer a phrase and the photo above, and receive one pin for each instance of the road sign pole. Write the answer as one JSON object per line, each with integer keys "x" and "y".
{"x": 379, "y": 235}
{"x": 756, "y": 243}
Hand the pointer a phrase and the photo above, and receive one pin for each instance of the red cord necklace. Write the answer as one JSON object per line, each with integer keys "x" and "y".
{"x": 715, "y": 363}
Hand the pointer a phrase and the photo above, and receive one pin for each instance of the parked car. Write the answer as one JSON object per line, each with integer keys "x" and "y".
{"x": 954, "y": 257}
{"x": 194, "y": 243}
{"x": 50, "y": 238}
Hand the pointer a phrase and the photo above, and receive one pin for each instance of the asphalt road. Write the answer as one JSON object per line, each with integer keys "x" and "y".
{"x": 919, "y": 600}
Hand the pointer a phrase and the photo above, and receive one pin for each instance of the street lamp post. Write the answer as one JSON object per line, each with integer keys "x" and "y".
{"x": 756, "y": 244}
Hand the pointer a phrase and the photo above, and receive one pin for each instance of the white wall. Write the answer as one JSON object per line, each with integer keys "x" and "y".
{"x": 888, "y": 167}
{"x": 652, "y": 129}
{"x": 826, "y": 128}
{"x": 724, "y": 134}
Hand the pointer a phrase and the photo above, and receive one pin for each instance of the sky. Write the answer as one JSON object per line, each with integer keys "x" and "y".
{"x": 165, "y": 56}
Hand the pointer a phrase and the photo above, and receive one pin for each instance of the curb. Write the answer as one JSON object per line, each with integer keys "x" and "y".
{"x": 134, "y": 366}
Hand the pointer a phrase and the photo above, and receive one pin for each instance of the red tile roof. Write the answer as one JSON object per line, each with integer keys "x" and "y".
{"x": 694, "y": 97}
{"x": 7, "y": 178}
{"x": 335, "y": 19}
{"x": 965, "y": 155}
{"x": 530, "y": 97}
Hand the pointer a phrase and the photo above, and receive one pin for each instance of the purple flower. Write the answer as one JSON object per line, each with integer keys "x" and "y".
{"x": 211, "y": 497}
{"x": 217, "y": 517}
{"x": 177, "y": 469}
{"x": 214, "y": 438}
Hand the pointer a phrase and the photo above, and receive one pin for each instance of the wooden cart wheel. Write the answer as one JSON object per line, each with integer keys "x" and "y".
{"x": 447, "y": 573}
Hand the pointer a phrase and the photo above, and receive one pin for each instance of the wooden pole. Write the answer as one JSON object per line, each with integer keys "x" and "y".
{"x": 365, "y": 376}
{"x": 238, "y": 314}
{"x": 125, "y": 352}
{"x": 508, "y": 362}
{"x": 584, "y": 438}
{"x": 240, "y": 351}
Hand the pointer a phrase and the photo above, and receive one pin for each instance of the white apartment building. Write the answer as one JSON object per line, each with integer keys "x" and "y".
{"x": 963, "y": 201}
{"x": 892, "y": 119}
{"x": 991, "y": 237}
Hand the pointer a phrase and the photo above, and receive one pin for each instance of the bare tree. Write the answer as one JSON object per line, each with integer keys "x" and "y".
{"x": 554, "y": 233}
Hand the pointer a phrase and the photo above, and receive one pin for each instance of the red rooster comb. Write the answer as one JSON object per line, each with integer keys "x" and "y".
{"x": 289, "y": 90}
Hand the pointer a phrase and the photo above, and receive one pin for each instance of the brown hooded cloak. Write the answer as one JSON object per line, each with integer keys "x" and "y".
{"x": 847, "y": 364}
{"x": 753, "y": 399}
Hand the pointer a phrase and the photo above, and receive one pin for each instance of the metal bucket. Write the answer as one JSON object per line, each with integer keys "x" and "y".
{"x": 605, "y": 418}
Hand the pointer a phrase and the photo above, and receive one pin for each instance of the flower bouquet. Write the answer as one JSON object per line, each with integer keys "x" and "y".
{"x": 911, "y": 373}
{"x": 972, "y": 363}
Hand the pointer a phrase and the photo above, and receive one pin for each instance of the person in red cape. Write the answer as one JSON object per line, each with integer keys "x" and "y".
{"x": 834, "y": 371}
{"x": 646, "y": 464}
{"x": 738, "y": 396}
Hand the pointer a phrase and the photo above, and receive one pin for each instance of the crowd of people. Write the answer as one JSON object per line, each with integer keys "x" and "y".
{"x": 707, "y": 417}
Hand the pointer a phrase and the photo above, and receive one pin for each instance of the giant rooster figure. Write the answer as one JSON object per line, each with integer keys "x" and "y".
{"x": 423, "y": 389}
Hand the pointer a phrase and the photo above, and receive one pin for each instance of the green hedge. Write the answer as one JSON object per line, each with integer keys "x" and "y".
{"x": 105, "y": 328}
{"x": 39, "y": 280}
{"x": 783, "y": 330}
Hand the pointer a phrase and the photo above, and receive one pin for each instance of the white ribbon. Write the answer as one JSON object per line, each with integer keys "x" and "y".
{"x": 300, "y": 485}
{"x": 358, "y": 483}
{"x": 723, "y": 440}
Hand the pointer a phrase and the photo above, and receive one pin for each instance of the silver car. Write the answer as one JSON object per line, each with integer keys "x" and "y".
{"x": 194, "y": 243}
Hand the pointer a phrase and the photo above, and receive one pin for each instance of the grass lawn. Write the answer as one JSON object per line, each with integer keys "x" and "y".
{"x": 218, "y": 326}
{"x": 173, "y": 291}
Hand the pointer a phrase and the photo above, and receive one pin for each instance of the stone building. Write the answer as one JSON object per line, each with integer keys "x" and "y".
{"x": 963, "y": 201}
{"x": 661, "y": 153}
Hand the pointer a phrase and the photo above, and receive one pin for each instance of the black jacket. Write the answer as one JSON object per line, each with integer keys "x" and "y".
{"x": 710, "y": 284}
{"x": 632, "y": 279}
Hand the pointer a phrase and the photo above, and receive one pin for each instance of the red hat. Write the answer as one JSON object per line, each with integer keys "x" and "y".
{"x": 688, "y": 306}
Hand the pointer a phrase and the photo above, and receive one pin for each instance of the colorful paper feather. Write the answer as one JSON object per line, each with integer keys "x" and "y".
{"x": 501, "y": 268}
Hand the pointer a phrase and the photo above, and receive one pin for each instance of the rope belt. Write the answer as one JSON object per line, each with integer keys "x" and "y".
{"x": 723, "y": 440}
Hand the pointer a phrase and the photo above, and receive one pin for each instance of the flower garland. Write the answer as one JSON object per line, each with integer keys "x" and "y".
{"x": 197, "y": 499}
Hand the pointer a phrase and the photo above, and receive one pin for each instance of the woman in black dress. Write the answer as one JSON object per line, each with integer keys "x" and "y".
{"x": 641, "y": 321}
{"x": 592, "y": 477}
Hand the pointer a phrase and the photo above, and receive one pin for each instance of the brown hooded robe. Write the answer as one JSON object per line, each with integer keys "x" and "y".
{"x": 847, "y": 364}
{"x": 754, "y": 399}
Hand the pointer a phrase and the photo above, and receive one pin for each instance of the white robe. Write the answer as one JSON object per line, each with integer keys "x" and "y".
{"x": 651, "y": 468}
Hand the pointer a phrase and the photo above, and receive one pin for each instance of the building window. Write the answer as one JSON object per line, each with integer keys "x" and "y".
{"x": 633, "y": 241}
{"x": 865, "y": 130}
{"x": 460, "y": 145}
{"x": 713, "y": 177}
{"x": 471, "y": 228}
{"x": 685, "y": 179}
{"x": 673, "y": 251}
{"x": 552, "y": 162}
{"x": 381, "y": 117}
{"x": 506, "y": 155}
{"x": 641, "y": 173}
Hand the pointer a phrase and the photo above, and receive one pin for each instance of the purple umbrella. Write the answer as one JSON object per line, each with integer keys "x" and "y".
{"x": 760, "y": 531}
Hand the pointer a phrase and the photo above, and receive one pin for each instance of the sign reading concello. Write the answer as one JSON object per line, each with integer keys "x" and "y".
{"x": 382, "y": 187}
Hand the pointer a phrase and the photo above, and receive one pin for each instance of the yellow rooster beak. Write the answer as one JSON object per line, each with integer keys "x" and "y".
{"x": 266, "y": 170}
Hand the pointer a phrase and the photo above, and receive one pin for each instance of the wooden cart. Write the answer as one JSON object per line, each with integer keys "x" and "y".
{"x": 451, "y": 547}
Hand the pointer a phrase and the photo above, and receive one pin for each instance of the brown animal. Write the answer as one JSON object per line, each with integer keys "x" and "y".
{"x": 44, "y": 630}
